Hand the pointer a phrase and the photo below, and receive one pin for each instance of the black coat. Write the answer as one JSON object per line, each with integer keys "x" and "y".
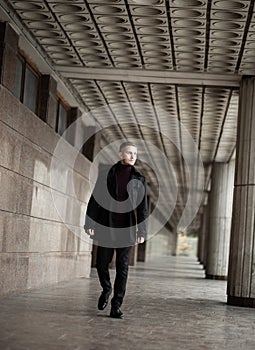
{"x": 101, "y": 214}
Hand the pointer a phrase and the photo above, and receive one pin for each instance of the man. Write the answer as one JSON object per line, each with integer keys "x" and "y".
{"x": 116, "y": 219}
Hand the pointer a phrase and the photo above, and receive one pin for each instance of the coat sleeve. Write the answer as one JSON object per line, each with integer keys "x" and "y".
{"x": 142, "y": 213}
{"x": 93, "y": 209}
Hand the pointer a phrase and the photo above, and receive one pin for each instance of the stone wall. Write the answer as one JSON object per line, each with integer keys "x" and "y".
{"x": 36, "y": 247}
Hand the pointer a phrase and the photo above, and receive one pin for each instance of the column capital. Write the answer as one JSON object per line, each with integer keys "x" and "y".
{"x": 247, "y": 77}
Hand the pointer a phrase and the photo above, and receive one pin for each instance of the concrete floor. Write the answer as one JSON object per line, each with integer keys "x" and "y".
{"x": 168, "y": 305}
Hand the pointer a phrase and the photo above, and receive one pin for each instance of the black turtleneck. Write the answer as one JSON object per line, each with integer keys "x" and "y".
{"x": 123, "y": 173}
{"x": 122, "y": 178}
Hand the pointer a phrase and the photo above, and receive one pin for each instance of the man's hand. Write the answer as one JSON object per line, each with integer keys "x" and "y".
{"x": 140, "y": 240}
{"x": 90, "y": 231}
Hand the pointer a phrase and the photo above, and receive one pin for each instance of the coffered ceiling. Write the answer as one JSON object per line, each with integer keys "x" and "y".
{"x": 165, "y": 68}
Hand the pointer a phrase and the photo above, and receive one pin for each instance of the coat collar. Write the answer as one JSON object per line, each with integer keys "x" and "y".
{"x": 134, "y": 171}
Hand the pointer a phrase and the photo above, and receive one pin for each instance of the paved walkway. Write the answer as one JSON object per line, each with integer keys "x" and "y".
{"x": 168, "y": 305}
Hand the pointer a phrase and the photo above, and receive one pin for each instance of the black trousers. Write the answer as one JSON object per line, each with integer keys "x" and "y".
{"x": 104, "y": 257}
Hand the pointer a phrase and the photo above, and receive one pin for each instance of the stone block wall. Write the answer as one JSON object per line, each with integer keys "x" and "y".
{"x": 36, "y": 247}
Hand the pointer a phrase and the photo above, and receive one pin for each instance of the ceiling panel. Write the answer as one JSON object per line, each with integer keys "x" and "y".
{"x": 159, "y": 38}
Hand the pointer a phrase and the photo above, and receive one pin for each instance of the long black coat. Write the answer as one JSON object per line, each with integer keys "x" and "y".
{"x": 101, "y": 214}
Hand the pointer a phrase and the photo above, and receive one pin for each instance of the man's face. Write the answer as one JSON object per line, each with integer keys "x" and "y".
{"x": 128, "y": 155}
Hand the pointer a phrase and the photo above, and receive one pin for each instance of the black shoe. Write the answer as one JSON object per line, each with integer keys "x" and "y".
{"x": 116, "y": 313}
{"x": 103, "y": 301}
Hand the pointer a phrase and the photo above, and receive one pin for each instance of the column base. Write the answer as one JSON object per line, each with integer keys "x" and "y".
{"x": 215, "y": 277}
{"x": 202, "y": 264}
{"x": 240, "y": 301}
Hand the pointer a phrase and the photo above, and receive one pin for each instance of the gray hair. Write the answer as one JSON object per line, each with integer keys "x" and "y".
{"x": 125, "y": 144}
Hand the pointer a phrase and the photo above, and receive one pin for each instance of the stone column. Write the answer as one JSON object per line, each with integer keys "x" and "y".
{"x": 141, "y": 250}
{"x": 173, "y": 238}
{"x": 220, "y": 211}
{"x": 202, "y": 247}
{"x": 241, "y": 279}
{"x": 8, "y": 55}
{"x": 133, "y": 256}
{"x": 200, "y": 240}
